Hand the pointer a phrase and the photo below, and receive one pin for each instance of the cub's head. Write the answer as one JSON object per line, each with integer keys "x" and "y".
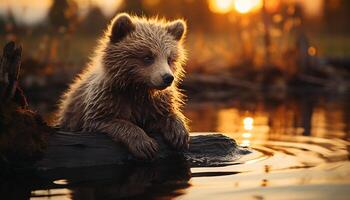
{"x": 144, "y": 52}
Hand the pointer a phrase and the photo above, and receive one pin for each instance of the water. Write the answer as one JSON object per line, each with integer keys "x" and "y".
{"x": 300, "y": 151}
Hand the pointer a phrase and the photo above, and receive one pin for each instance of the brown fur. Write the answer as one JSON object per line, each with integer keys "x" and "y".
{"x": 122, "y": 96}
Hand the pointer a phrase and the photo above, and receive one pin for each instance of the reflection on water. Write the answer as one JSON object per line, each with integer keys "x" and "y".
{"x": 300, "y": 151}
{"x": 165, "y": 178}
{"x": 261, "y": 120}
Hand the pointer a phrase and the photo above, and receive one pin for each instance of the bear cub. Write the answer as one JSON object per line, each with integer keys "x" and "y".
{"x": 129, "y": 89}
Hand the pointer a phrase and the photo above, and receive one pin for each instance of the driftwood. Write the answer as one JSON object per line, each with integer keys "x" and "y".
{"x": 71, "y": 150}
{"x": 87, "y": 160}
{"x": 92, "y": 162}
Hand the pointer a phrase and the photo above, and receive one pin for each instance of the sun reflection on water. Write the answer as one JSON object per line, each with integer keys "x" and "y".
{"x": 261, "y": 122}
{"x": 61, "y": 193}
{"x": 248, "y": 124}
{"x": 61, "y": 182}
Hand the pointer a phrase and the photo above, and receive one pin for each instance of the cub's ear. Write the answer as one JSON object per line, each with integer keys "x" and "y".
{"x": 177, "y": 29}
{"x": 121, "y": 26}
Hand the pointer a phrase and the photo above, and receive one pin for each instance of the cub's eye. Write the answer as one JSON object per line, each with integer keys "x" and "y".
{"x": 148, "y": 59}
{"x": 171, "y": 60}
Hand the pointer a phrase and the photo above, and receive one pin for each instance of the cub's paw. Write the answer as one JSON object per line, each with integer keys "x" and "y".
{"x": 178, "y": 137}
{"x": 143, "y": 148}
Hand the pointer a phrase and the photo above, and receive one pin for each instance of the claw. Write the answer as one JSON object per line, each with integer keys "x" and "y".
{"x": 144, "y": 150}
{"x": 154, "y": 147}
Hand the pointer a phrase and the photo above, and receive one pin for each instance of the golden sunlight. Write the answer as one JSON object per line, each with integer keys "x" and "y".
{"x": 221, "y": 6}
{"x": 248, "y": 126}
{"x": 25, "y": 11}
{"x": 248, "y": 123}
{"x": 31, "y": 12}
{"x": 245, "y": 6}
{"x": 247, "y": 135}
{"x": 245, "y": 143}
{"x": 108, "y": 7}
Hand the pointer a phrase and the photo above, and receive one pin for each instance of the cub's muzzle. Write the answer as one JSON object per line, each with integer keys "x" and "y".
{"x": 167, "y": 79}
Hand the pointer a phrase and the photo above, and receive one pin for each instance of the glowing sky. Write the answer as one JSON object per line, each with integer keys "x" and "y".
{"x": 34, "y": 11}
{"x": 311, "y": 8}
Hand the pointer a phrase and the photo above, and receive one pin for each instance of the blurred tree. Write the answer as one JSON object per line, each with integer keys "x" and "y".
{"x": 94, "y": 22}
{"x": 195, "y": 10}
{"x": 63, "y": 14}
{"x": 57, "y": 14}
{"x": 63, "y": 17}
{"x": 10, "y": 18}
{"x": 336, "y": 14}
{"x": 2, "y": 25}
{"x": 200, "y": 16}
{"x": 11, "y": 27}
{"x": 134, "y": 7}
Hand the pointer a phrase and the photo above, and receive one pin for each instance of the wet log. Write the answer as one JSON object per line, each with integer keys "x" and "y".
{"x": 72, "y": 150}
{"x": 81, "y": 161}
{"x": 93, "y": 161}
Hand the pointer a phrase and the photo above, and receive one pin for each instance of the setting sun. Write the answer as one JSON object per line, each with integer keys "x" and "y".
{"x": 245, "y": 6}
{"x": 221, "y": 6}
{"x": 241, "y": 6}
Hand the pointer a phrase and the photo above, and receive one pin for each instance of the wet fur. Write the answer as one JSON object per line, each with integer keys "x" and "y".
{"x": 116, "y": 96}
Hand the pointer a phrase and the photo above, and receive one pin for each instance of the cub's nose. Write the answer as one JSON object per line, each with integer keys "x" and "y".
{"x": 168, "y": 79}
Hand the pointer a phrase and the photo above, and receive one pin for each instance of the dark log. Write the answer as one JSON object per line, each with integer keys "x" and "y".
{"x": 71, "y": 150}
{"x": 93, "y": 160}
{"x": 87, "y": 161}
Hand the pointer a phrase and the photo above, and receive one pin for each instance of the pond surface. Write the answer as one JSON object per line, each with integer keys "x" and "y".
{"x": 303, "y": 145}
{"x": 300, "y": 151}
